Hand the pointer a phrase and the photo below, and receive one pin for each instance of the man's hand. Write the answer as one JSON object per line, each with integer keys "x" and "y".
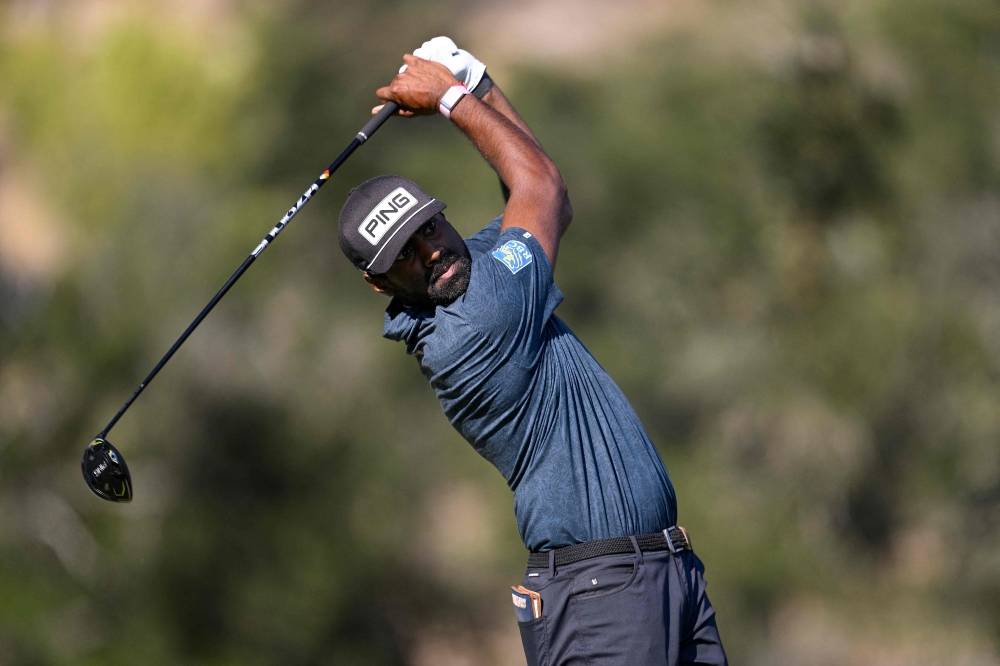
{"x": 463, "y": 65}
{"x": 419, "y": 88}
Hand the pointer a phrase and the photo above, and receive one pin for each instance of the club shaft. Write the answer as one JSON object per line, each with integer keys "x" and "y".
{"x": 362, "y": 136}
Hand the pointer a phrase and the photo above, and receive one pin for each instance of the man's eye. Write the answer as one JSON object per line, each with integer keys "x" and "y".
{"x": 405, "y": 253}
{"x": 430, "y": 227}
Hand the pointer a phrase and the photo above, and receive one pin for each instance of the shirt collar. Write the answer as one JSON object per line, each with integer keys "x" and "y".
{"x": 402, "y": 321}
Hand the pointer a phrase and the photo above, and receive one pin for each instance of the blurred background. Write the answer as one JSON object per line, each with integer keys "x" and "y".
{"x": 784, "y": 250}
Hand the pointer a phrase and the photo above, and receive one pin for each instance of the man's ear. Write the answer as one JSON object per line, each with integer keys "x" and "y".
{"x": 379, "y": 284}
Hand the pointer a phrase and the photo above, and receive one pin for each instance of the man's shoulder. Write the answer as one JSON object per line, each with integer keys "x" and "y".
{"x": 511, "y": 293}
{"x": 483, "y": 240}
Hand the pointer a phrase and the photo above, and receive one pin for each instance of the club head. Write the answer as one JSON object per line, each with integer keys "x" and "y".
{"x": 105, "y": 472}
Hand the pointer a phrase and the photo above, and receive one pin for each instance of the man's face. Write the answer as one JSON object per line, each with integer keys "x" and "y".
{"x": 433, "y": 268}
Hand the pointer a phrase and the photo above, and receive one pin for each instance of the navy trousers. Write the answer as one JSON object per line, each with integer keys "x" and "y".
{"x": 641, "y": 609}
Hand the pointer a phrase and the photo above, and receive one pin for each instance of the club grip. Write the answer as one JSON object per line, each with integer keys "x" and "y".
{"x": 366, "y": 132}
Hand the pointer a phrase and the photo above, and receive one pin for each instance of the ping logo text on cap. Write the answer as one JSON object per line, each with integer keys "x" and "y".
{"x": 385, "y": 215}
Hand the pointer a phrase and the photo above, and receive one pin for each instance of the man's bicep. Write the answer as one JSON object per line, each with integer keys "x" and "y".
{"x": 539, "y": 214}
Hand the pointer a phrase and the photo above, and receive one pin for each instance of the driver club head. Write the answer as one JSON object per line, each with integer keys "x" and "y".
{"x": 105, "y": 472}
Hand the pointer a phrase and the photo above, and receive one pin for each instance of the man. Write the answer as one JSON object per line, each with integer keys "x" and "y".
{"x": 610, "y": 579}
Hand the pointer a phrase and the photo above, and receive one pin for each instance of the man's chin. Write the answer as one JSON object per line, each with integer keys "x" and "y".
{"x": 446, "y": 291}
{"x": 450, "y": 290}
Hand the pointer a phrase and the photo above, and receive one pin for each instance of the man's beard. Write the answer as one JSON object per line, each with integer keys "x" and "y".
{"x": 447, "y": 292}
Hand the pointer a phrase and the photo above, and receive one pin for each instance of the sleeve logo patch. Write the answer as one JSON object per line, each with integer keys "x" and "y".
{"x": 515, "y": 255}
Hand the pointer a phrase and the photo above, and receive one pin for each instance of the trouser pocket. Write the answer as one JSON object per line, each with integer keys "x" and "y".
{"x": 615, "y": 615}
{"x": 531, "y": 623}
{"x": 533, "y": 640}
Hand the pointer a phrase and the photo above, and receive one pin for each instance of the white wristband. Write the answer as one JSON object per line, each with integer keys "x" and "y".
{"x": 450, "y": 99}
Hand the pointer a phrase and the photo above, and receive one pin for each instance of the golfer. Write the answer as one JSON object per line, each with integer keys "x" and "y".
{"x": 610, "y": 578}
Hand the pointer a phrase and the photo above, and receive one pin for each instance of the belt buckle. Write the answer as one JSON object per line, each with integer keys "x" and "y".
{"x": 670, "y": 542}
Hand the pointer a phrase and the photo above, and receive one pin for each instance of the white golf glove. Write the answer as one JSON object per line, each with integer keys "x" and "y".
{"x": 463, "y": 65}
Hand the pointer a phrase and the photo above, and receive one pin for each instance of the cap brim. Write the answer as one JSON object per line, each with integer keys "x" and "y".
{"x": 401, "y": 234}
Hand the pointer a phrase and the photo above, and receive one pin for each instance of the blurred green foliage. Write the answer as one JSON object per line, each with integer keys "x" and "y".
{"x": 784, "y": 250}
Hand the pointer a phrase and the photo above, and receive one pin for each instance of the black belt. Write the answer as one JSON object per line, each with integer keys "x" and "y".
{"x": 674, "y": 539}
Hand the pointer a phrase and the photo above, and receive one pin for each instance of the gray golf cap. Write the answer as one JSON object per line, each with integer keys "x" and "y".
{"x": 379, "y": 217}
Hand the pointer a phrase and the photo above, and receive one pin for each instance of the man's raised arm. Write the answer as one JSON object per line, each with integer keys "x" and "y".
{"x": 496, "y": 99}
{"x": 538, "y": 201}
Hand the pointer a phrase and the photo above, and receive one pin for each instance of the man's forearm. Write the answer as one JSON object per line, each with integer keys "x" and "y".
{"x": 515, "y": 156}
{"x": 496, "y": 99}
{"x": 499, "y": 102}
{"x": 537, "y": 191}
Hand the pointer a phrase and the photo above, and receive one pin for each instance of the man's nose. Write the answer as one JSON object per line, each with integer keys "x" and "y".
{"x": 429, "y": 253}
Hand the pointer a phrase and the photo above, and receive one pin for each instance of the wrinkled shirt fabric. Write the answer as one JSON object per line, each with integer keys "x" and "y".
{"x": 522, "y": 389}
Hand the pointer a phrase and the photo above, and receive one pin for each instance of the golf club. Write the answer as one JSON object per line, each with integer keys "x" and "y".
{"x": 104, "y": 468}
